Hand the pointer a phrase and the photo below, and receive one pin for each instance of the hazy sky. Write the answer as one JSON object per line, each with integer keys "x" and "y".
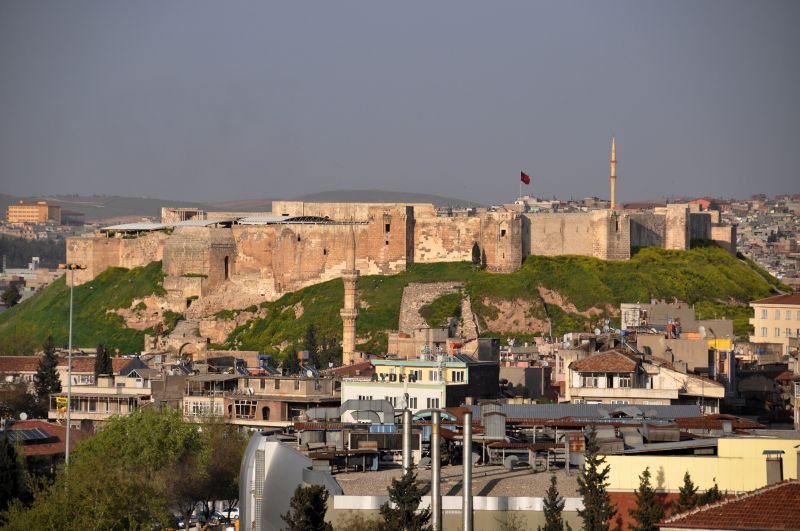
{"x": 227, "y": 100}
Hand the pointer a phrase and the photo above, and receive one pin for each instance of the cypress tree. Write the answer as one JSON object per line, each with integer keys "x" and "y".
{"x": 649, "y": 510}
{"x": 307, "y": 509}
{"x": 11, "y": 296}
{"x": 687, "y": 499}
{"x": 592, "y": 484}
{"x": 10, "y": 484}
{"x": 102, "y": 362}
{"x": 47, "y": 379}
{"x": 553, "y": 507}
{"x": 405, "y": 494}
{"x": 710, "y": 496}
{"x": 311, "y": 345}
{"x": 291, "y": 364}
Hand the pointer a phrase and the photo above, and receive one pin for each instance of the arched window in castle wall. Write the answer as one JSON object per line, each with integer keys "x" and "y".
{"x": 227, "y": 267}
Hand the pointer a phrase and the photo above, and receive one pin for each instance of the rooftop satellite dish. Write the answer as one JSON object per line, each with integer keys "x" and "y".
{"x": 23, "y": 416}
{"x": 597, "y": 331}
{"x": 702, "y": 331}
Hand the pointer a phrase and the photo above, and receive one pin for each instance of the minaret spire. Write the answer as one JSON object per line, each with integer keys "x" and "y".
{"x": 350, "y": 311}
{"x": 613, "y": 173}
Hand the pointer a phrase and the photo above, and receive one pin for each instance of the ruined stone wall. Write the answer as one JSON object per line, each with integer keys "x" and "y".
{"x": 99, "y": 252}
{"x": 348, "y": 211}
{"x": 725, "y": 236}
{"x": 699, "y": 226}
{"x": 647, "y": 229}
{"x": 677, "y": 232}
{"x": 553, "y": 234}
{"x": 445, "y": 239}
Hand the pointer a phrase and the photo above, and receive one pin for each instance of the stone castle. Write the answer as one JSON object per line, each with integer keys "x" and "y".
{"x": 301, "y": 243}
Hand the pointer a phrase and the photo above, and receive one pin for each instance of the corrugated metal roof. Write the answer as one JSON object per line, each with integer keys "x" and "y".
{"x": 672, "y": 445}
{"x": 262, "y": 220}
{"x": 142, "y": 226}
{"x": 557, "y": 411}
{"x": 203, "y": 222}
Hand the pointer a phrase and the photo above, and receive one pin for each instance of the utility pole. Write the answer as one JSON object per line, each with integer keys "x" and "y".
{"x": 71, "y": 268}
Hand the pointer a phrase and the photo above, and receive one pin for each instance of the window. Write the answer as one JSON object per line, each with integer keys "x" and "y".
{"x": 777, "y": 332}
{"x": 297, "y": 384}
{"x": 277, "y": 383}
{"x": 458, "y": 376}
{"x": 625, "y": 381}
{"x": 245, "y": 409}
{"x": 415, "y": 374}
{"x": 433, "y": 376}
{"x": 798, "y": 315}
{"x": 777, "y": 314}
{"x": 763, "y": 331}
{"x": 365, "y": 397}
{"x": 502, "y": 232}
{"x": 412, "y": 402}
{"x": 262, "y": 383}
{"x": 619, "y": 402}
{"x": 387, "y": 227}
{"x": 433, "y": 403}
{"x": 788, "y": 332}
{"x": 591, "y": 379}
{"x": 788, "y": 314}
{"x": 764, "y": 314}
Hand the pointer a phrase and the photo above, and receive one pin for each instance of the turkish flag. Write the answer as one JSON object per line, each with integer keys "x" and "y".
{"x": 524, "y": 177}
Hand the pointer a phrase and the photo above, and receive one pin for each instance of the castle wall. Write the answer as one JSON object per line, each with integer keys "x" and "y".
{"x": 445, "y": 239}
{"x": 208, "y": 251}
{"x": 501, "y": 233}
{"x": 725, "y": 236}
{"x": 611, "y": 235}
{"x": 557, "y": 233}
{"x": 647, "y": 229}
{"x": 677, "y": 233}
{"x": 100, "y": 252}
{"x": 350, "y": 211}
{"x": 700, "y": 226}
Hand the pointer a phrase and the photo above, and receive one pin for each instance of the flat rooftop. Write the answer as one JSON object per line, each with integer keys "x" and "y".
{"x": 486, "y": 481}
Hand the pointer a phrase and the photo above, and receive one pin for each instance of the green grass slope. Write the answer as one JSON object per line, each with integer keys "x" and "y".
{"x": 28, "y": 324}
{"x": 708, "y": 276}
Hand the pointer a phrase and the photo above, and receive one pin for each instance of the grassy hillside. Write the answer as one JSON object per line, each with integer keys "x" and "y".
{"x": 710, "y": 277}
{"x": 28, "y": 324}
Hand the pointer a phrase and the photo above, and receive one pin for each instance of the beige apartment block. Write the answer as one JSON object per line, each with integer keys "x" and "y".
{"x": 777, "y": 320}
{"x": 38, "y": 212}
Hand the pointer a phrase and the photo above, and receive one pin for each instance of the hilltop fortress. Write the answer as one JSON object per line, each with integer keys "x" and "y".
{"x": 300, "y": 243}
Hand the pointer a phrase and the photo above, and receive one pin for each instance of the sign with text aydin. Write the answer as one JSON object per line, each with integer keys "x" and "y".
{"x": 393, "y": 378}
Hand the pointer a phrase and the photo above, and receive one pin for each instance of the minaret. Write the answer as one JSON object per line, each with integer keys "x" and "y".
{"x": 613, "y": 174}
{"x": 350, "y": 312}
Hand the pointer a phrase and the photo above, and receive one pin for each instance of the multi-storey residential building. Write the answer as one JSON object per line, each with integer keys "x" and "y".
{"x": 38, "y": 212}
{"x": 777, "y": 320}
{"x": 614, "y": 377}
{"x": 15, "y": 369}
{"x": 428, "y": 383}
{"x": 256, "y": 400}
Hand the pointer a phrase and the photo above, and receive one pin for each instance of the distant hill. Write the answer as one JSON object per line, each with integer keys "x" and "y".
{"x": 382, "y": 196}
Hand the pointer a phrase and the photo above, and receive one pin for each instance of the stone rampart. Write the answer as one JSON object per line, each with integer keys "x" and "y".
{"x": 416, "y": 295}
{"x": 445, "y": 239}
{"x": 700, "y": 225}
{"x": 647, "y": 229}
{"x": 99, "y": 252}
{"x": 725, "y": 236}
{"x": 677, "y": 232}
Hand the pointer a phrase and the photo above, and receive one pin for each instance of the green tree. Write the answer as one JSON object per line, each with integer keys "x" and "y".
{"x": 291, "y": 363}
{"x": 311, "y": 344}
{"x": 15, "y": 399}
{"x": 11, "y": 296}
{"x": 476, "y": 255}
{"x": 592, "y": 486}
{"x": 47, "y": 379}
{"x": 102, "y": 362}
{"x": 137, "y": 456}
{"x": 687, "y": 499}
{"x": 710, "y": 496}
{"x": 10, "y": 474}
{"x": 649, "y": 510}
{"x": 553, "y": 507}
{"x": 307, "y": 509}
{"x": 400, "y": 512}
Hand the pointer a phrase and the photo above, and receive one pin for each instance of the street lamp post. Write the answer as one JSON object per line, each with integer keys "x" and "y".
{"x": 71, "y": 267}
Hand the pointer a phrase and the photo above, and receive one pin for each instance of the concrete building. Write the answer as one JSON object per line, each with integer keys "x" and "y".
{"x": 36, "y": 213}
{"x": 777, "y": 320}
{"x": 428, "y": 383}
{"x": 615, "y": 377}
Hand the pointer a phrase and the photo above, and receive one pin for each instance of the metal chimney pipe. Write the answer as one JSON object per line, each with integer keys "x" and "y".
{"x": 466, "y": 507}
{"x": 408, "y": 460}
{"x": 436, "y": 473}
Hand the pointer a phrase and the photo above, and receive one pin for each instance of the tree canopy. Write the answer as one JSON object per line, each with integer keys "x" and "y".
{"x": 307, "y": 509}
{"x": 400, "y": 512}
{"x": 649, "y": 509}
{"x": 592, "y": 485}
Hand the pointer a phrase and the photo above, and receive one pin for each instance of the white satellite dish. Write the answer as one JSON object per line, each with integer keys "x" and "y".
{"x": 702, "y": 331}
{"x": 597, "y": 331}
{"x": 23, "y": 416}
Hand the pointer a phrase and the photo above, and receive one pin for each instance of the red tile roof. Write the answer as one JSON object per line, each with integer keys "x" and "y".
{"x": 363, "y": 368}
{"x": 79, "y": 363}
{"x": 19, "y": 363}
{"x": 56, "y": 431}
{"x": 611, "y": 361}
{"x": 774, "y": 507}
{"x": 792, "y": 298}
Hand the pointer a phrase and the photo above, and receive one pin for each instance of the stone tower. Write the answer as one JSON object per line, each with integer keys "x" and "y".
{"x": 613, "y": 174}
{"x": 350, "y": 311}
